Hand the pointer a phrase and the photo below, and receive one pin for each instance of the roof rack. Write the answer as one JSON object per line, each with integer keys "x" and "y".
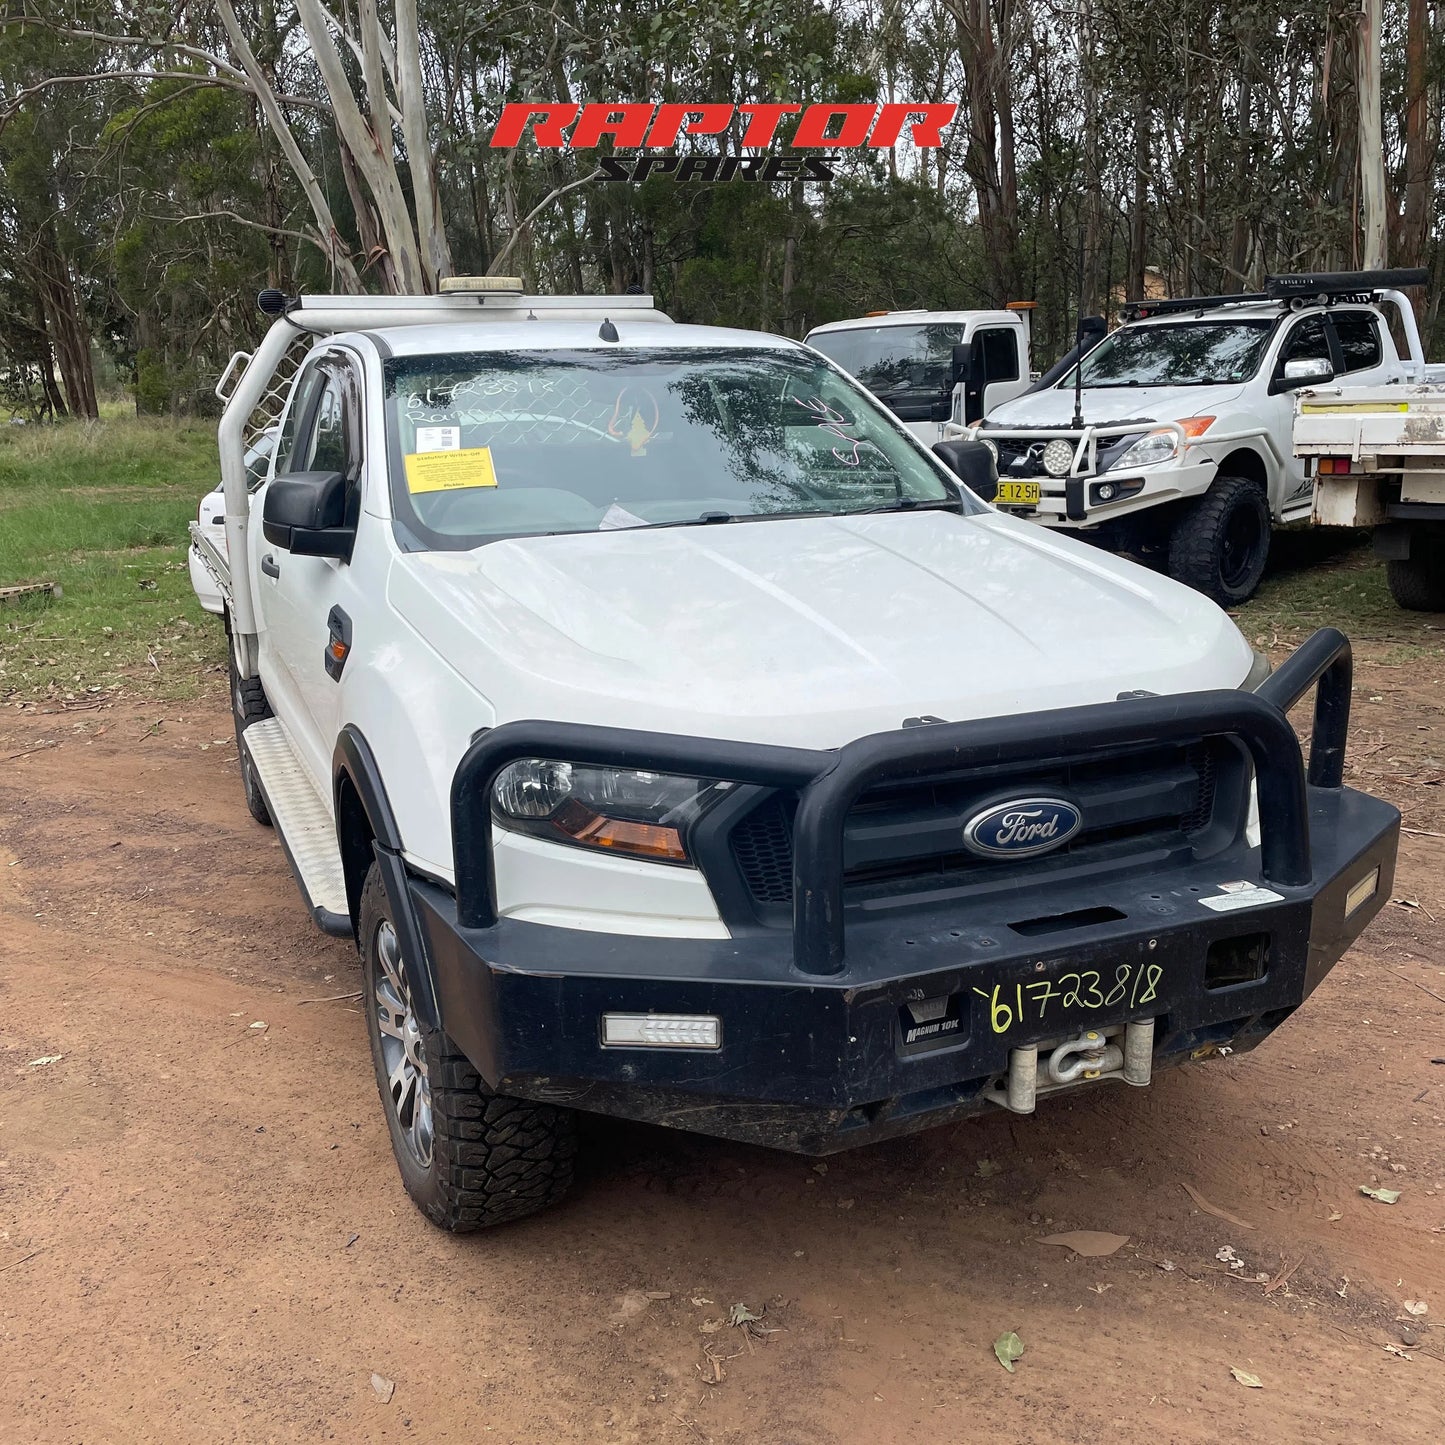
{"x": 1310, "y": 286}
{"x": 1138, "y": 310}
{"x": 1344, "y": 283}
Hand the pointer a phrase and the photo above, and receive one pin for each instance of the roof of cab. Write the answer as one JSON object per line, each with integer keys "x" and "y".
{"x": 545, "y": 335}
{"x": 919, "y": 318}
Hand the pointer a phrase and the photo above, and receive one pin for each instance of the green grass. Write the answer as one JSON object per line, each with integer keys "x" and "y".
{"x": 1329, "y": 577}
{"x": 101, "y": 509}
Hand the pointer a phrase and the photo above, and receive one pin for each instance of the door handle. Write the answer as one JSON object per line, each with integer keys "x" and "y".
{"x": 270, "y": 566}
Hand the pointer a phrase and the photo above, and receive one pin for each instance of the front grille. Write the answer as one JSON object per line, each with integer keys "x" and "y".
{"x": 1014, "y": 460}
{"x": 901, "y": 838}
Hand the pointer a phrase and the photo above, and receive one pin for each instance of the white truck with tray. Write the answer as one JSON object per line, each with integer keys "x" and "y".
{"x": 1377, "y": 456}
{"x": 679, "y": 739}
{"x": 1173, "y": 437}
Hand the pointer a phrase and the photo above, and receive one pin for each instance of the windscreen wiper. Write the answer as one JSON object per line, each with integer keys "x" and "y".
{"x": 902, "y": 504}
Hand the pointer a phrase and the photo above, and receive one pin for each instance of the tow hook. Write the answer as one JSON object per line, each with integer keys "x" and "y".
{"x": 1085, "y": 1057}
{"x": 1124, "y": 1052}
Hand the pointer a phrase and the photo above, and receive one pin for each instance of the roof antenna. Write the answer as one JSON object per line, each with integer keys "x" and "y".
{"x": 1078, "y": 421}
{"x": 607, "y": 331}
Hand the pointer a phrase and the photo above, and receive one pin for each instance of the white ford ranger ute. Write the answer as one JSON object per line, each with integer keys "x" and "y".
{"x": 1172, "y": 437}
{"x": 679, "y": 739}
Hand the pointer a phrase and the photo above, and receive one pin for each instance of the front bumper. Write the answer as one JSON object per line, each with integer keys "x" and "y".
{"x": 820, "y": 1048}
{"x": 1073, "y": 501}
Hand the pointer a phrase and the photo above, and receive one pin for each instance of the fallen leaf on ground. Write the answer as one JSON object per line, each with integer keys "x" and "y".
{"x": 1385, "y": 1196}
{"x": 1008, "y": 1348}
{"x": 740, "y": 1314}
{"x": 1334, "y": 1215}
{"x": 1095, "y": 1243}
{"x": 1252, "y": 1382}
{"x": 659, "y": 1294}
{"x": 1416, "y": 1307}
{"x": 259, "y": 1024}
{"x": 1396, "y": 1350}
{"x": 384, "y": 1388}
{"x": 986, "y": 1169}
{"x": 1213, "y": 1209}
{"x": 45, "y": 1059}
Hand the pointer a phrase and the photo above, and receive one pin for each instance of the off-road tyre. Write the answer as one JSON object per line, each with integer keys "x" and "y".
{"x": 248, "y": 705}
{"x": 1219, "y": 545}
{"x": 492, "y": 1159}
{"x": 1418, "y": 582}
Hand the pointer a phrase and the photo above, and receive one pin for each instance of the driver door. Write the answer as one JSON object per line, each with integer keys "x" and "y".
{"x": 297, "y": 593}
{"x": 1307, "y": 339}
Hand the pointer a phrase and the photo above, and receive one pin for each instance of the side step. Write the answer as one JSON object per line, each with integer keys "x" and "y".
{"x": 302, "y": 822}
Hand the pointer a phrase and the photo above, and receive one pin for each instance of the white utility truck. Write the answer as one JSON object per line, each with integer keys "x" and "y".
{"x": 1378, "y": 458}
{"x": 932, "y": 367}
{"x": 679, "y": 739}
{"x": 1173, "y": 436}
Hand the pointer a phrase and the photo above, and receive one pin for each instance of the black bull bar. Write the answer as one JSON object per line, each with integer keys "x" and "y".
{"x": 830, "y": 782}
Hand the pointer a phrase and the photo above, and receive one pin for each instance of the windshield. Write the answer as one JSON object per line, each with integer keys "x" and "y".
{"x": 894, "y": 361}
{"x": 497, "y": 444}
{"x": 1189, "y": 353}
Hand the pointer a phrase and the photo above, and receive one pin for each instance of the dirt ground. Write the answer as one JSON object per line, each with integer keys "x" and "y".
{"x": 203, "y": 1237}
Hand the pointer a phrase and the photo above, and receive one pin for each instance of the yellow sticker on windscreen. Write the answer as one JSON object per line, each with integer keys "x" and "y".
{"x": 450, "y": 471}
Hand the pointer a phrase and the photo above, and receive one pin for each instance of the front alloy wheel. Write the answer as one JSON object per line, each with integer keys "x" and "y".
{"x": 403, "y": 1059}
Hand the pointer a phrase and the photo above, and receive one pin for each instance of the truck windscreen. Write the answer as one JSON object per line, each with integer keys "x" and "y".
{"x": 495, "y": 444}
{"x": 1185, "y": 353}
{"x": 894, "y": 362}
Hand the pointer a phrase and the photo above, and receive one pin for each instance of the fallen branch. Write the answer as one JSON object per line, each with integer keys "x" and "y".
{"x": 28, "y": 751}
{"x": 331, "y": 997}
{"x": 1417, "y": 984}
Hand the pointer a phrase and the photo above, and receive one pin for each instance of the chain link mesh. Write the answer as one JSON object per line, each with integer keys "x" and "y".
{"x": 267, "y": 411}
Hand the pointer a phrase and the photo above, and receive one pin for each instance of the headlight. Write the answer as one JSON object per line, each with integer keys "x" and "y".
{"x": 1158, "y": 446}
{"x": 992, "y": 449}
{"x": 619, "y": 810}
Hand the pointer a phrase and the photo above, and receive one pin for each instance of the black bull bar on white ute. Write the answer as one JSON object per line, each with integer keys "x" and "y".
{"x": 812, "y": 1056}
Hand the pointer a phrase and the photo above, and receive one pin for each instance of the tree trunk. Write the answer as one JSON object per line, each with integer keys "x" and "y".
{"x": 1091, "y": 285}
{"x": 1139, "y": 221}
{"x": 1372, "y": 145}
{"x": 67, "y": 328}
{"x": 988, "y": 157}
{"x": 1415, "y": 222}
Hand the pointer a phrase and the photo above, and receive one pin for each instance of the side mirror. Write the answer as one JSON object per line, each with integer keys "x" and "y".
{"x": 305, "y": 513}
{"x": 962, "y": 362}
{"x": 973, "y": 464}
{"x": 1306, "y": 371}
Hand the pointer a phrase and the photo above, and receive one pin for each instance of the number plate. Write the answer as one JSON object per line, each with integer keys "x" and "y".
{"x": 1019, "y": 494}
{"x": 1071, "y": 997}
